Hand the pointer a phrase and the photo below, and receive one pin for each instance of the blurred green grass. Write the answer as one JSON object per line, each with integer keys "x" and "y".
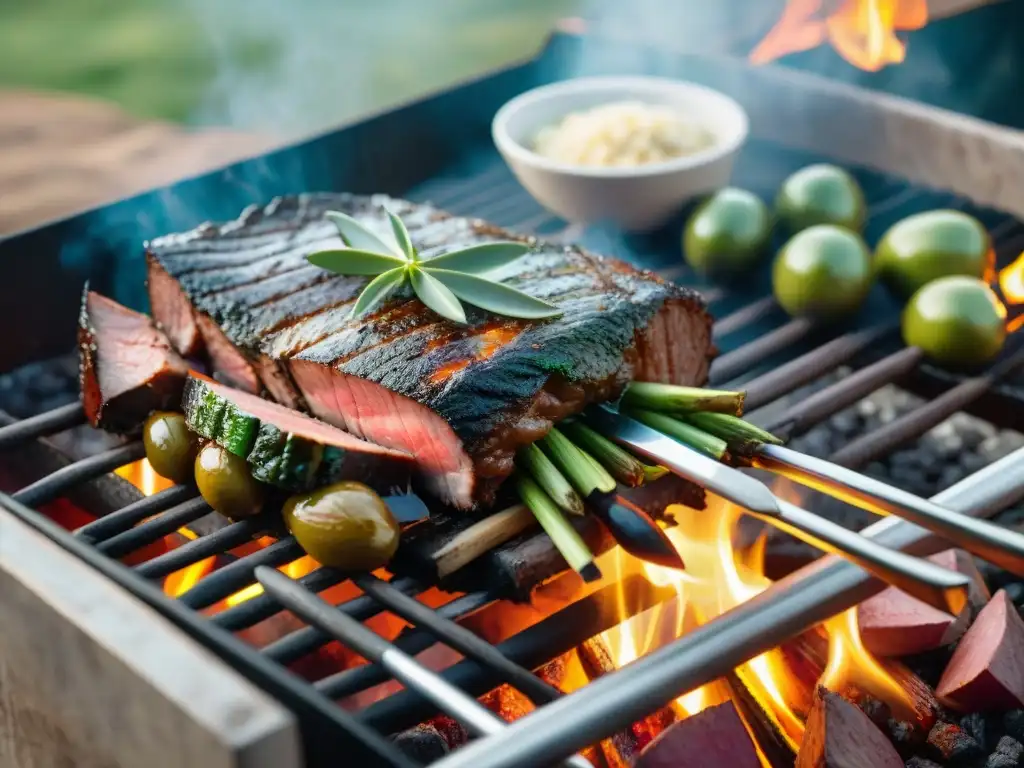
{"x": 185, "y": 60}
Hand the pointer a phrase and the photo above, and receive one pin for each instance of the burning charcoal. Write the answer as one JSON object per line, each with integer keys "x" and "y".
{"x": 975, "y": 726}
{"x": 423, "y": 744}
{"x": 1013, "y": 722}
{"x": 948, "y": 742}
{"x": 1009, "y": 753}
{"x": 715, "y": 736}
{"x": 877, "y": 711}
{"x": 839, "y": 735}
{"x": 921, "y": 762}
{"x": 906, "y": 737}
{"x": 985, "y": 672}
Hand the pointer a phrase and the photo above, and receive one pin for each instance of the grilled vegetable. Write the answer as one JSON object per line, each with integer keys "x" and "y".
{"x": 820, "y": 194}
{"x": 930, "y": 245}
{"x": 823, "y": 272}
{"x": 285, "y": 448}
{"x": 226, "y": 484}
{"x": 171, "y": 447}
{"x": 727, "y": 233}
{"x": 345, "y": 525}
{"x": 956, "y": 320}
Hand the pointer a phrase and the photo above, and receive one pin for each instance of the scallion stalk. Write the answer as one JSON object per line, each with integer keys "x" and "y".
{"x": 668, "y": 398}
{"x": 583, "y": 471}
{"x": 623, "y": 466}
{"x": 654, "y": 473}
{"x": 742, "y": 437}
{"x": 532, "y": 461}
{"x": 563, "y": 535}
{"x": 685, "y": 433}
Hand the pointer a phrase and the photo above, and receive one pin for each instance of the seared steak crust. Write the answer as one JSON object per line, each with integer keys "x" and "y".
{"x": 461, "y": 397}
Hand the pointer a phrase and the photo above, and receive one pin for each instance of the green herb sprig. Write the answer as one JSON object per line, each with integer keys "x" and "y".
{"x": 439, "y": 282}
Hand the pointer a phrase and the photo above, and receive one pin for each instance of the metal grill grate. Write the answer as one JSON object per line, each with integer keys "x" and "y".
{"x": 769, "y": 355}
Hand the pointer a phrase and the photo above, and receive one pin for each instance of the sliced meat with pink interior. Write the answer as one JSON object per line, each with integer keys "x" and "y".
{"x": 462, "y": 399}
{"x": 287, "y": 448}
{"x": 127, "y": 366}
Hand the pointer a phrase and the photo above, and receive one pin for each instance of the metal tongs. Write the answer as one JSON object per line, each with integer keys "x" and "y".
{"x": 939, "y": 587}
{"x": 1002, "y": 546}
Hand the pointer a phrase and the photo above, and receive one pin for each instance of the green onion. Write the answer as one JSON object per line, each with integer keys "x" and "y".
{"x": 533, "y": 462}
{"x": 742, "y": 437}
{"x": 685, "y": 433}
{"x": 622, "y": 465}
{"x": 668, "y": 398}
{"x": 654, "y": 473}
{"x": 563, "y": 535}
{"x": 583, "y": 471}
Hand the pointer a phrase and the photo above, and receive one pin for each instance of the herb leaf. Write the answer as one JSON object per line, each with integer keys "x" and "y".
{"x": 434, "y": 294}
{"x": 402, "y": 236}
{"x": 493, "y": 297}
{"x": 355, "y": 235}
{"x": 377, "y": 290}
{"x": 479, "y": 259}
{"x": 351, "y": 261}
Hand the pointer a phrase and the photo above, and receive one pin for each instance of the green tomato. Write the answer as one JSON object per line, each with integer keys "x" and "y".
{"x": 727, "y": 233}
{"x": 820, "y": 194}
{"x": 171, "y": 447}
{"x": 956, "y": 320}
{"x": 226, "y": 484}
{"x": 930, "y": 245}
{"x": 823, "y": 272}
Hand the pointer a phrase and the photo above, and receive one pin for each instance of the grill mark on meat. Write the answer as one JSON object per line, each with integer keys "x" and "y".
{"x": 127, "y": 367}
{"x": 406, "y": 378}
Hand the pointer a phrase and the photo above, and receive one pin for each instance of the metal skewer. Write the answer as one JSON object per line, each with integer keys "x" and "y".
{"x": 449, "y": 699}
{"x": 942, "y": 588}
{"x": 998, "y": 545}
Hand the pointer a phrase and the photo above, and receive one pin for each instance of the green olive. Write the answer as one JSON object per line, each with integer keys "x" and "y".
{"x": 820, "y": 194}
{"x": 727, "y": 233}
{"x": 345, "y": 525}
{"x": 930, "y": 245}
{"x": 823, "y": 272}
{"x": 956, "y": 320}
{"x": 171, "y": 446}
{"x": 225, "y": 483}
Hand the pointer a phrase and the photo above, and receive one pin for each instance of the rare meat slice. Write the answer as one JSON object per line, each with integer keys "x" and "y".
{"x": 127, "y": 366}
{"x": 461, "y": 398}
{"x": 285, "y": 448}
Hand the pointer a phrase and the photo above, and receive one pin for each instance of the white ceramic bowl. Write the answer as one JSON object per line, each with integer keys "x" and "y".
{"x": 636, "y": 198}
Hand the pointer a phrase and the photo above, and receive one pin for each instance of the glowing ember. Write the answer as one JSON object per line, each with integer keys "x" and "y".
{"x": 142, "y": 475}
{"x": 1011, "y": 284}
{"x": 862, "y": 31}
{"x": 296, "y": 569}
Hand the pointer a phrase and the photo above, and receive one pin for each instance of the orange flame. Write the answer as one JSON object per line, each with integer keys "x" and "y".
{"x": 1011, "y": 284}
{"x": 862, "y": 31}
{"x": 718, "y": 578}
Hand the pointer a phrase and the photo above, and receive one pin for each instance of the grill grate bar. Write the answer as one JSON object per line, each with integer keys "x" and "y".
{"x": 459, "y": 638}
{"x": 744, "y": 316}
{"x": 308, "y": 639}
{"x": 123, "y": 519}
{"x": 365, "y": 676}
{"x": 212, "y": 544}
{"x": 819, "y": 406}
{"x": 742, "y": 359}
{"x": 152, "y": 530}
{"x": 781, "y": 381}
{"x": 53, "y": 485}
{"x": 225, "y": 581}
{"x": 48, "y": 423}
{"x": 262, "y": 607}
{"x": 890, "y": 436}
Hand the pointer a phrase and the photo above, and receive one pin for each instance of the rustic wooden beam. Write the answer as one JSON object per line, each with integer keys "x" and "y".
{"x": 839, "y": 735}
{"x": 91, "y": 677}
{"x": 986, "y": 671}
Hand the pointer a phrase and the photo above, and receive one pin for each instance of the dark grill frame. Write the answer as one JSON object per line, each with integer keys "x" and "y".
{"x": 482, "y": 187}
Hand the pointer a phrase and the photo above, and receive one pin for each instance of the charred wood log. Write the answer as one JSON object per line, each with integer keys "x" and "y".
{"x": 839, "y": 735}
{"x": 769, "y": 739}
{"x": 715, "y": 736}
{"x": 986, "y": 671}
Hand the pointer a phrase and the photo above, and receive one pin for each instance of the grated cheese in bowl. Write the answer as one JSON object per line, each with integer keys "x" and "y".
{"x": 622, "y": 134}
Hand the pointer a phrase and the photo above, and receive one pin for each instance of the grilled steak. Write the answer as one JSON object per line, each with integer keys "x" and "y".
{"x": 126, "y": 365}
{"x": 462, "y": 399}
